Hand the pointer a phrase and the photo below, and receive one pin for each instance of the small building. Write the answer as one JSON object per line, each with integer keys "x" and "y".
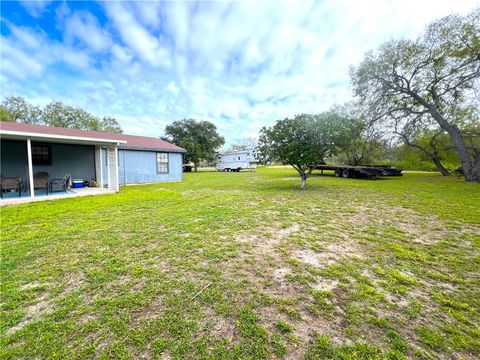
{"x": 102, "y": 158}
{"x": 236, "y": 160}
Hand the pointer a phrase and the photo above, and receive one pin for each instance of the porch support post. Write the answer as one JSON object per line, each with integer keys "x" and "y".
{"x": 113, "y": 167}
{"x": 117, "y": 189}
{"x": 30, "y": 168}
{"x": 98, "y": 166}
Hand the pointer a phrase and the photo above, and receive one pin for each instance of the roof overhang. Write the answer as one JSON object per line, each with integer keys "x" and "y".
{"x": 20, "y": 135}
{"x": 139, "y": 148}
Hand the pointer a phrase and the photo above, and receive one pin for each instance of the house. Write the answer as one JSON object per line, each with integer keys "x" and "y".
{"x": 107, "y": 158}
{"x": 236, "y": 160}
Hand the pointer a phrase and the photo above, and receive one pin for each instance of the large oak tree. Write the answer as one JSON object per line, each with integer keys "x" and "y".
{"x": 428, "y": 83}
{"x": 199, "y": 138}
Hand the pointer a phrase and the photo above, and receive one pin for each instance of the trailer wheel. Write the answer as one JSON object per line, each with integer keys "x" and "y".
{"x": 346, "y": 173}
{"x": 338, "y": 172}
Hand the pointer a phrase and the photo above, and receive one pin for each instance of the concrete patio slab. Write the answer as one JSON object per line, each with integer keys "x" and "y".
{"x": 56, "y": 196}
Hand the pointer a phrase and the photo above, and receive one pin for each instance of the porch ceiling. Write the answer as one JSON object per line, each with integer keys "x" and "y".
{"x": 15, "y": 135}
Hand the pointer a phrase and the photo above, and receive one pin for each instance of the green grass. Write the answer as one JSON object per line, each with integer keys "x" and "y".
{"x": 349, "y": 269}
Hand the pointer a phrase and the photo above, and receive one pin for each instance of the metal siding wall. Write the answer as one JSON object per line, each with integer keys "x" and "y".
{"x": 14, "y": 159}
{"x": 140, "y": 167}
{"x": 76, "y": 160}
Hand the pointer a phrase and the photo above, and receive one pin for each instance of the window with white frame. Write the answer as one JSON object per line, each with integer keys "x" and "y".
{"x": 162, "y": 163}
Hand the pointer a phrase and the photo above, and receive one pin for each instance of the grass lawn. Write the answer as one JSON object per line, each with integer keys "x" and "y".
{"x": 245, "y": 265}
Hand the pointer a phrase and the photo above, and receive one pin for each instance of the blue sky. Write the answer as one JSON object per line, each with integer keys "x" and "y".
{"x": 241, "y": 65}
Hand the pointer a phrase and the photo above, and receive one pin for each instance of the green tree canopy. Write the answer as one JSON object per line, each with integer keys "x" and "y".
{"x": 359, "y": 140}
{"x": 17, "y": 109}
{"x": 428, "y": 83}
{"x": 243, "y": 144}
{"x": 300, "y": 142}
{"x": 199, "y": 138}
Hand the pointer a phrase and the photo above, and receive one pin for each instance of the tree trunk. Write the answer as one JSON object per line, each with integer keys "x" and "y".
{"x": 195, "y": 167}
{"x": 474, "y": 174}
{"x": 304, "y": 182}
{"x": 470, "y": 166}
{"x": 431, "y": 154}
{"x": 440, "y": 166}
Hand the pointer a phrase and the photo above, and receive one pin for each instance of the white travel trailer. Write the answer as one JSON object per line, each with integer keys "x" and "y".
{"x": 236, "y": 160}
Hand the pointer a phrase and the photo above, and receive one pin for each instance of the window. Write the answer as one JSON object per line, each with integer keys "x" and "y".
{"x": 162, "y": 163}
{"x": 239, "y": 158}
{"x": 41, "y": 155}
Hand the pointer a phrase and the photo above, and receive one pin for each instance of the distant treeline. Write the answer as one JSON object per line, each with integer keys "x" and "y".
{"x": 17, "y": 109}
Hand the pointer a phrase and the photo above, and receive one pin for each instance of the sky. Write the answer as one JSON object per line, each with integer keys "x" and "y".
{"x": 241, "y": 65}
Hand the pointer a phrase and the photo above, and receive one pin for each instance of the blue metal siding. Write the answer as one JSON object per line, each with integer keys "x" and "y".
{"x": 136, "y": 167}
{"x": 14, "y": 159}
{"x": 76, "y": 160}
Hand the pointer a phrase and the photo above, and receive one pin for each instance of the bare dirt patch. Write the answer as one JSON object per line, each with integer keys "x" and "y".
{"x": 219, "y": 326}
{"x": 152, "y": 311}
{"x": 417, "y": 227}
{"x": 326, "y": 284}
{"x": 332, "y": 254}
{"x": 74, "y": 282}
{"x": 33, "y": 312}
{"x": 33, "y": 285}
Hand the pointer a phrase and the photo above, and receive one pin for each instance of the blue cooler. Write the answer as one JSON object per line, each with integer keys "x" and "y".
{"x": 77, "y": 183}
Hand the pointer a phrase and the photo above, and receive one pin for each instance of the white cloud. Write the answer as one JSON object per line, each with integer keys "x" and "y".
{"x": 145, "y": 45}
{"x": 148, "y": 12}
{"x": 36, "y": 8}
{"x": 239, "y": 64}
{"x": 122, "y": 54}
{"x": 173, "y": 88}
{"x": 84, "y": 27}
{"x": 16, "y": 62}
{"x": 74, "y": 58}
{"x": 27, "y": 53}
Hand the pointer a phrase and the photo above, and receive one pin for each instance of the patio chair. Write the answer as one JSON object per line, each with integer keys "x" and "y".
{"x": 10, "y": 183}
{"x": 62, "y": 183}
{"x": 40, "y": 181}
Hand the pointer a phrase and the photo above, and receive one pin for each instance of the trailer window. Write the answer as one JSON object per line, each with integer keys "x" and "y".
{"x": 162, "y": 163}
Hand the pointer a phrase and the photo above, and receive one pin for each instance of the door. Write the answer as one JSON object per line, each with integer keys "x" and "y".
{"x": 104, "y": 156}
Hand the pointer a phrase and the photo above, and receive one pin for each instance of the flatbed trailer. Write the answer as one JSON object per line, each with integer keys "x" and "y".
{"x": 370, "y": 172}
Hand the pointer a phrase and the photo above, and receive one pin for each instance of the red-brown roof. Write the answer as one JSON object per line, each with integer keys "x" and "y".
{"x": 133, "y": 141}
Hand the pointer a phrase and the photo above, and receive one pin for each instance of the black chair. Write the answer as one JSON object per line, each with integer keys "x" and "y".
{"x": 60, "y": 184}
{"x": 10, "y": 183}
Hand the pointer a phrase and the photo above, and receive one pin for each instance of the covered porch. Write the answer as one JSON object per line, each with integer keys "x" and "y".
{"x": 44, "y": 167}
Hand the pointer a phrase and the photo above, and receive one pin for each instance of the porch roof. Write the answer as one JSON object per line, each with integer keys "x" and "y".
{"x": 20, "y": 131}
{"x": 57, "y": 134}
